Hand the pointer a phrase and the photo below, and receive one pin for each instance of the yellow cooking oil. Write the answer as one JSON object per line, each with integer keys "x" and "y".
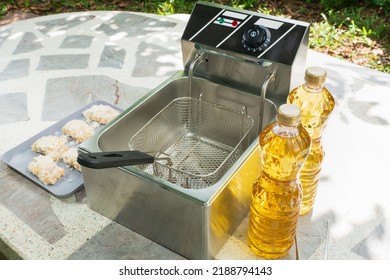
{"x": 277, "y": 193}
{"x": 316, "y": 104}
{"x": 310, "y": 175}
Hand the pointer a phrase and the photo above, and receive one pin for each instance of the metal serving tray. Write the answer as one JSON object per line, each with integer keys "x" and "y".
{"x": 20, "y": 156}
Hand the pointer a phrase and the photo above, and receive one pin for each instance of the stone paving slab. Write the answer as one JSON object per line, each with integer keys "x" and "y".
{"x": 59, "y": 25}
{"x": 112, "y": 57}
{"x": 76, "y": 91}
{"x": 13, "y": 107}
{"x": 15, "y": 69}
{"x": 28, "y": 43}
{"x": 76, "y": 42}
{"x": 65, "y": 61}
{"x": 124, "y": 246}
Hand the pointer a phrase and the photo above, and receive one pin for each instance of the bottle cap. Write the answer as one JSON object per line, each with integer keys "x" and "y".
{"x": 315, "y": 75}
{"x": 288, "y": 115}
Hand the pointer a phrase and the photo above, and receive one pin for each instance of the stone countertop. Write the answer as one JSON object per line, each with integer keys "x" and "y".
{"x": 51, "y": 66}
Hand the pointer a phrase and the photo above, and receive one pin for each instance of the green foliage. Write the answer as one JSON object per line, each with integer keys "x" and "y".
{"x": 166, "y": 8}
{"x": 175, "y": 6}
{"x": 340, "y": 41}
{"x": 332, "y": 4}
{"x": 374, "y": 26}
{"x": 244, "y": 4}
{"x": 325, "y": 34}
{"x": 336, "y": 4}
{"x": 339, "y": 4}
{"x": 382, "y": 3}
{"x": 3, "y": 9}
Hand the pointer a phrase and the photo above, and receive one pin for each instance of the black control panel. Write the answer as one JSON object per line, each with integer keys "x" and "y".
{"x": 245, "y": 32}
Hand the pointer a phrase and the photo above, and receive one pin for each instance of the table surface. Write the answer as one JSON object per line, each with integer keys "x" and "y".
{"x": 51, "y": 66}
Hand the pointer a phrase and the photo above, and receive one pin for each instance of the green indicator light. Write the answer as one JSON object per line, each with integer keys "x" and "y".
{"x": 221, "y": 20}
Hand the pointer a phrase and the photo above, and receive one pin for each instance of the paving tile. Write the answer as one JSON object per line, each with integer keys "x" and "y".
{"x": 130, "y": 25}
{"x": 4, "y": 34}
{"x": 28, "y": 43}
{"x": 59, "y": 26}
{"x": 116, "y": 242}
{"x": 13, "y": 107}
{"x": 363, "y": 109}
{"x": 66, "y": 61}
{"x": 149, "y": 63}
{"x": 76, "y": 42}
{"x": 367, "y": 248}
{"x": 18, "y": 68}
{"x": 64, "y": 95}
{"x": 311, "y": 236}
{"x": 42, "y": 219}
{"x": 113, "y": 57}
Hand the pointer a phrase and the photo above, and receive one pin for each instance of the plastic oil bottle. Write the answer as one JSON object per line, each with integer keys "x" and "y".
{"x": 277, "y": 193}
{"x": 316, "y": 104}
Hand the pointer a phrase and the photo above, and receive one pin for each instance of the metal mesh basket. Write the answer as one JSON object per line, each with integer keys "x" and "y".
{"x": 199, "y": 141}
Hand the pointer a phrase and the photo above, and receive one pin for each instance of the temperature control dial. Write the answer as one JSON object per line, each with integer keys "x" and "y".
{"x": 256, "y": 38}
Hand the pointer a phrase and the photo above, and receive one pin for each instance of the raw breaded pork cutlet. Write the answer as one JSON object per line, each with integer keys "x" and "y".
{"x": 70, "y": 159}
{"x": 53, "y": 146}
{"x": 100, "y": 113}
{"x": 46, "y": 169}
{"x": 79, "y": 130}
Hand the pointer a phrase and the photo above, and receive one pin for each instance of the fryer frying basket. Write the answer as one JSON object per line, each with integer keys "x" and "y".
{"x": 198, "y": 141}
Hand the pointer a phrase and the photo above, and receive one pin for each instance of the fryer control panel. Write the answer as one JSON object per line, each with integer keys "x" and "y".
{"x": 245, "y": 32}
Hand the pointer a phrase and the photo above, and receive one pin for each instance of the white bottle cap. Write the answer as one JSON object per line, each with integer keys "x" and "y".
{"x": 289, "y": 115}
{"x": 315, "y": 75}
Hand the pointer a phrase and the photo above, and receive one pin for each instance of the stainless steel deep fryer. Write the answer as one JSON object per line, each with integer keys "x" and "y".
{"x": 242, "y": 62}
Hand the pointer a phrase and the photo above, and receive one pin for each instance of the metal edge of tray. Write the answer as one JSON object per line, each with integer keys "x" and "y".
{"x": 17, "y": 158}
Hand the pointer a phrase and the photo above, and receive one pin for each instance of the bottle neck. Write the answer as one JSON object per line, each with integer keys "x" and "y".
{"x": 285, "y": 131}
{"x": 313, "y": 87}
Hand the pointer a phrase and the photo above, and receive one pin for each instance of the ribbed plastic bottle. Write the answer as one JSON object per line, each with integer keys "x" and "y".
{"x": 277, "y": 193}
{"x": 316, "y": 104}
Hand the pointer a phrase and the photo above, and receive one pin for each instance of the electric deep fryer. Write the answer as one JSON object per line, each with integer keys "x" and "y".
{"x": 238, "y": 63}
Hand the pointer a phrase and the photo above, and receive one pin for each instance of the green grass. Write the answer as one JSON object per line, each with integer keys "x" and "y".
{"x": 3, "y": 10}
{"x": 374, "y": 25}
{"x": 353, "y": 37}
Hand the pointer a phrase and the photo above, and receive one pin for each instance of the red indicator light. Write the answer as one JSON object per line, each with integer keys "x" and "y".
{"x": 234, "y": 23}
